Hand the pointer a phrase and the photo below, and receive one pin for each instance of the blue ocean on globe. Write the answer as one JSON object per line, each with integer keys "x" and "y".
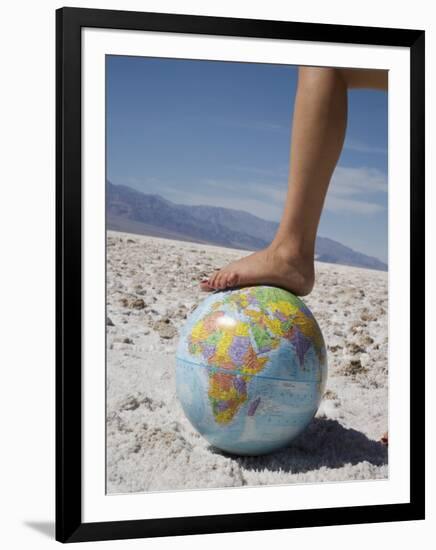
{"x": 251, "y": 369}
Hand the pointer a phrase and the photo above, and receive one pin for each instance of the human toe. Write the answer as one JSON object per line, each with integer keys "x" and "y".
{"x": 221, "y": 281}
{"x": 205, "y": 285}
{"x": 231, "y": 278}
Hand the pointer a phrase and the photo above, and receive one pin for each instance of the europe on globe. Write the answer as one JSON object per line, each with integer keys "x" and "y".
{"x": 251, "y": 369}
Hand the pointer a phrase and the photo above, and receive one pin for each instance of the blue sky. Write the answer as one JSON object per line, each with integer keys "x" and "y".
{"x": 207, "y": 132}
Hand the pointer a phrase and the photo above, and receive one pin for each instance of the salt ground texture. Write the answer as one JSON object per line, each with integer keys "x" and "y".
{"x": 152, "y": 285}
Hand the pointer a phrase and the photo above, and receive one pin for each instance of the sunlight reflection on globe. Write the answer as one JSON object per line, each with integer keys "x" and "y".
{"x": 251, "y": 369}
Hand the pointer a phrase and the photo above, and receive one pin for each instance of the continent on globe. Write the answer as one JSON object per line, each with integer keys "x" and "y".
{"x": 251, "y": 368}
{"x": 239, "y": 334}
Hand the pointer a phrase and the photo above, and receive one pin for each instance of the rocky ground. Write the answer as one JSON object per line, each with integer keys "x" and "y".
{"x": 152, "y": 285}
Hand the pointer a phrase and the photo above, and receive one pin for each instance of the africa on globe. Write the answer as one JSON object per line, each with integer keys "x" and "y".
{"x": 251, "y": 369}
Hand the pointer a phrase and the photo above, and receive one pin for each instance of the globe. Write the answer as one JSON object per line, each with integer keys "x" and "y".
{"x": 251, "y": 369}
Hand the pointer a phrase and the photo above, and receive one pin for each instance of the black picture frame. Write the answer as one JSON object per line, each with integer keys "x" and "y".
{"x": 69, "y": 525}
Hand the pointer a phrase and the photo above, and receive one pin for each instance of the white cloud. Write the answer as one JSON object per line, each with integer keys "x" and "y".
{"x": 280, "y": 172}
{"x": 360, "y": 147}
{"x": 357, "y": 181}
{"x": 261, "y": 200}
{"x": 336, "y": 204}
{"x": 268, "y": 191}
{"x": 352, "y": 189}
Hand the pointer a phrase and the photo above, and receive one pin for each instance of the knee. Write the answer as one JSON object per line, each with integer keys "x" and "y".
{"x": 365, "y": 78}
{"x": 320, "y": 76}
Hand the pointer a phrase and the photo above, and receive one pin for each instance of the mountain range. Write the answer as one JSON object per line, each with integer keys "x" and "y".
{"x": 132, "y": 211}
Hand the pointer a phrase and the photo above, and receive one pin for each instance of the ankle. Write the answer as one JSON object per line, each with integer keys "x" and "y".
{"x": 289, "y": 250}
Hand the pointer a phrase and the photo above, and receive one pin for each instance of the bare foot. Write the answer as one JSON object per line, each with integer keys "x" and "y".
{"x": 269, "y": 266}
{"x": 384, "y": 439}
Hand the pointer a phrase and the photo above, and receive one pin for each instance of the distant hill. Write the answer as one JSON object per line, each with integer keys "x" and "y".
{"x": 135, "y": 212}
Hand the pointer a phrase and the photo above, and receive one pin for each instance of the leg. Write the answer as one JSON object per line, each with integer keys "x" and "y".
{"x": 320, "y": 115}
{"x": 365, "y": 78}
{"x": 318, "y": 131}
